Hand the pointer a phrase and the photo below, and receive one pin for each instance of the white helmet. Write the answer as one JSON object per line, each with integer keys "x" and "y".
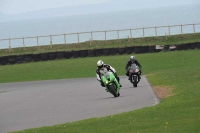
{"x": 100, "y": 64}
{"x": 132, "y": 57}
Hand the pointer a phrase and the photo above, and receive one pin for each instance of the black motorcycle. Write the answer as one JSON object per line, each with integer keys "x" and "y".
{"x": 134, "y": 74}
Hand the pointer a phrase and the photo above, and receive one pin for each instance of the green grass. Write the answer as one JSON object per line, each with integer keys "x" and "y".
{"x": 179, "y": 113}
{"x": 160, "y": 40}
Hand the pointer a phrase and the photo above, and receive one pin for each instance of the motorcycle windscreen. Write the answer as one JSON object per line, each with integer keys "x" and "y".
{"x": 134, "y": 66}
{"x": 108, "y": 76}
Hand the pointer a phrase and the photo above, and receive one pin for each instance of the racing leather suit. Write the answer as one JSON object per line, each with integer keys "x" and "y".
{"x": 105, "y": 67}
{"x": 129, "y": 63}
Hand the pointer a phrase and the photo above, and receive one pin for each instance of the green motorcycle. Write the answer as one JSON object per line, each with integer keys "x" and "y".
{"x": 111, "y": 84}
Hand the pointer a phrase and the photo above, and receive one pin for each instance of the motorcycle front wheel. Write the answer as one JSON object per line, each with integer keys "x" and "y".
{"x": 135, "y": 81}
{"x": 112, "y": 88}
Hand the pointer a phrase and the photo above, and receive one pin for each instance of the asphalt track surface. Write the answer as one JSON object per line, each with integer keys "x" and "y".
{"x": 26, "y": 105}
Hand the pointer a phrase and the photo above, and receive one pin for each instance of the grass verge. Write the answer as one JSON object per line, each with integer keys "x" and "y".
{"x": 160, "y": 40}
{"x": 178, "y": 113}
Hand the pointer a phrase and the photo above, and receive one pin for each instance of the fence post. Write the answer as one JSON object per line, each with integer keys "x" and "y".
{"x": 50, "y": 41}
{"x": 169, "y": 30}
{"x": 181, "y": 30}
{"x": 156, "y": 31}
{"x": 194, "y": 28}
{"x": 130, "y": 33}
{"x": 143, "y": 32}
{"x": 23, "y": 43}
{"x": 65, "y": 38}
{"x": 37, "y": 40}
{"x": 9, "y": 46}
{"x": 91, "y": 36}
{"x": 105, "y": 36}
{"x": 78, "y": 37}
{"x": 118, "y": 34}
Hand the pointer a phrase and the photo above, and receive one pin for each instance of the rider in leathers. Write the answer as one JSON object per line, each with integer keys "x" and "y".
{"x": 129, "y": 63}
{"x": 101, "y": 67}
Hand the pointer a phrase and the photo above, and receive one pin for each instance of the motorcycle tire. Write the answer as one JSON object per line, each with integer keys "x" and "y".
{"x": 113, "y": 90}
{"x": 135, "y": 81}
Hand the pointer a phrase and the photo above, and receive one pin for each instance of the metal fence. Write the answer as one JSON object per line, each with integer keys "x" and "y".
{"x": 99, "y": 35}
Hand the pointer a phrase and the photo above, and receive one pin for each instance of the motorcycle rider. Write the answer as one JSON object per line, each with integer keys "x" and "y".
{"x": 129, "y": 63}
{"x": 101, "y": 67}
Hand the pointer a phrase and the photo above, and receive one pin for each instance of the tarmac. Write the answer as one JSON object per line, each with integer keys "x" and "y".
{"x": 25, "y": 105}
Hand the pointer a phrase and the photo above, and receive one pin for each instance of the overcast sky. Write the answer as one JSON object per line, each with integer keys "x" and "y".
{"x": 21, "y": 6}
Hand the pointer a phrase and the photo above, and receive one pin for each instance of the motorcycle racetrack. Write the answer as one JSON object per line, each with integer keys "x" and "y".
{"x": 34, "y": 104}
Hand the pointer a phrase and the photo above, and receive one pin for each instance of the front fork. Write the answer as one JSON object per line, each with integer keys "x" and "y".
{"x": 114, "y": 82}
{"x": 138, "y": 75}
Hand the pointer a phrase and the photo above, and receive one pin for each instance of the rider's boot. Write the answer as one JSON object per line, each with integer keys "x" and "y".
{"x": 129, "y": 77}
{"x": 139, "y": 77}
{"x": 118, "y": 81}
{"x": 120, "y": 85}
{"x": 118, "y": 94}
